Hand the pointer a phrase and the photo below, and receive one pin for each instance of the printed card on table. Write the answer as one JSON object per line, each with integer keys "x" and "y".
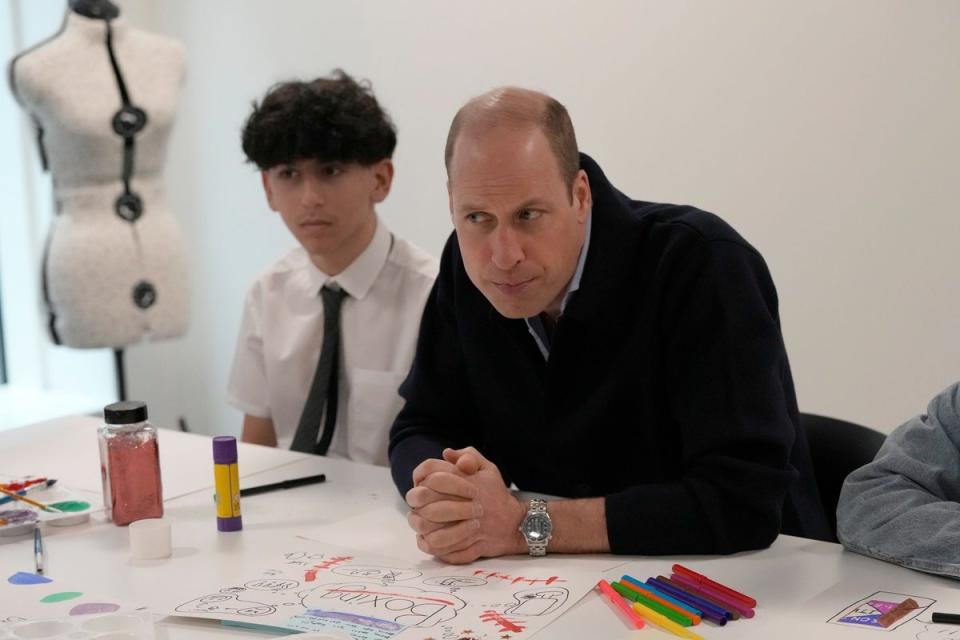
{"x": 882, "y": 611}
{"x": 313, "y": 587}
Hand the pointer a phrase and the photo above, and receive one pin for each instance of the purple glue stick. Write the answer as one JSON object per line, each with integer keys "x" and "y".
{"x": 226, "y": 478}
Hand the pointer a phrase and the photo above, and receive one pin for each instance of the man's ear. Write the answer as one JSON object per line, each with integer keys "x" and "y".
{"x": 267, "y": 191}
{"x": 582, "y": 195}
{"x": 450, "y": 198}
{"x": 383, "y": 176}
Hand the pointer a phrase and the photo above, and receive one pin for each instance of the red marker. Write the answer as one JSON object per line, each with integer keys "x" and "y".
{"x": 704, "y": 580}
{"x": 709, "y": 592}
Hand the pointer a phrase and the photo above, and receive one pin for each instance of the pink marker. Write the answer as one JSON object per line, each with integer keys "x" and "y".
{"x": 699, "y": 578}
{"x": 722, "y": 598}
{"x": 620, "y": 603}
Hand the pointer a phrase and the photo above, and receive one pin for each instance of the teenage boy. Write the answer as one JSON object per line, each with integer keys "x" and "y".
{"x": 329, "y": 330}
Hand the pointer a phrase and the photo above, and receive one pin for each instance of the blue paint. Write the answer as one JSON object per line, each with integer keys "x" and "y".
{"x": 22, "y": 577}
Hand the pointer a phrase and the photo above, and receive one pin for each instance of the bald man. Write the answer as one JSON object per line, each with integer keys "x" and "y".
{"x": 624, "y": 355}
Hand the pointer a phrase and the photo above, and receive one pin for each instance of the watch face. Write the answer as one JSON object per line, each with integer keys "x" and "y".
{"x": 537, "y": 527}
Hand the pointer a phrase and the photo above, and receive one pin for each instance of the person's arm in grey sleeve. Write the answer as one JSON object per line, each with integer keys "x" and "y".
{"x": 904, "y": 507}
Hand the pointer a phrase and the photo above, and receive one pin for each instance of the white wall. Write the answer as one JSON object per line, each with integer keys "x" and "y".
{"x": 826, "y": 132}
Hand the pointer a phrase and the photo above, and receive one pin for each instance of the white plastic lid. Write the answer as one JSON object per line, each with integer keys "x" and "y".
{"x": 150, "y": 539}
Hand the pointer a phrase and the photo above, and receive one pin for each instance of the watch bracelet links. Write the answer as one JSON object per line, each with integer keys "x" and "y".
{"x": 537, "y": 549}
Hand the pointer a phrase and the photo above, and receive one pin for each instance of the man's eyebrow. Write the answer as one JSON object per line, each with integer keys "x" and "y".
{"x": 533, "y": 203}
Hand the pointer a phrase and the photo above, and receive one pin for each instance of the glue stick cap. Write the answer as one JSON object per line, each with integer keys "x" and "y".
{"x": 127, "y": 412}
{"x": 224, "y": 450}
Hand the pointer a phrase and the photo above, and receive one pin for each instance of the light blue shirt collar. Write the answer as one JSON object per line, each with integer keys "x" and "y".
{"x": 534, "y": 324}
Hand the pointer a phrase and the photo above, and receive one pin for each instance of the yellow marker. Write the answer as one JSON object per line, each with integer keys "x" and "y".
{"x": 226, "y": 476}
{"x": 664, "y": 622}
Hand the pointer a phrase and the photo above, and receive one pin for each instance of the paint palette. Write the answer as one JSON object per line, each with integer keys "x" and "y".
{"x": 29, "y": 597}
{"x": 19, "y": 518}
{"x": 117, "y": 625}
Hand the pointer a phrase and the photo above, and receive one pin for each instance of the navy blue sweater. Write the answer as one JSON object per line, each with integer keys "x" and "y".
{"x": 667, "y": 391}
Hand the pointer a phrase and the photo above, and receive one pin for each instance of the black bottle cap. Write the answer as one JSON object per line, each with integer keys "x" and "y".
{"x": 126, "y": 412}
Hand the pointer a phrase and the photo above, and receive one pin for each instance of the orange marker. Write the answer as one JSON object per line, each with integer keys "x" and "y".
{"x": 694, "y": 618}
{"x": 620, "y": 604}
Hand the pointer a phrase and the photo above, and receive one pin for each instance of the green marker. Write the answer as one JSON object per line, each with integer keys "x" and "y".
{"x": 630, "y": 594}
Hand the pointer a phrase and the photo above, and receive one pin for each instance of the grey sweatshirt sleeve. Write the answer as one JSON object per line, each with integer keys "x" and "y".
{"x": 904, "y": 507}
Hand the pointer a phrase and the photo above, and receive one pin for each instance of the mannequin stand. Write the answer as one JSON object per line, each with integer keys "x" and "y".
{"x": 121, "y": 375}
{"x": 122, "y": 385}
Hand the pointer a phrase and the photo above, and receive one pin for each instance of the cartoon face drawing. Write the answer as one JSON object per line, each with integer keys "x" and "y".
{"x": 538, "y": 602}
{"x": 302, "y": 557}
{"x": 226, "y": 603}
{"x": 271, "y": 585}
{"x": 383, "y": 574}
{"x": 455, "y": 582}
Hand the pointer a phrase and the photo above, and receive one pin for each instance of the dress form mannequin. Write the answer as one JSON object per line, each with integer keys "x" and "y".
{"x": 115, "y": 269}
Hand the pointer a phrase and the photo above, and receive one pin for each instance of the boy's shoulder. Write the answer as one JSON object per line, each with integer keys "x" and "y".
{"x": 288, "y": 270}
{"x": 409, "y": 257}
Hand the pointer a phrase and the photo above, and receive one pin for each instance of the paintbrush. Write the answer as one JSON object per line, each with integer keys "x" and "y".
{"x": 40, "y": 486}
{"x": 22, "y": 484}
{"x": 32, "y": 503}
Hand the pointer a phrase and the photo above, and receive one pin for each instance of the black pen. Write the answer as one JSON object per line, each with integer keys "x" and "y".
{"x": 945, "y": 618}
{"x": 38, "y": 549}
{"x": 285, "y": 484}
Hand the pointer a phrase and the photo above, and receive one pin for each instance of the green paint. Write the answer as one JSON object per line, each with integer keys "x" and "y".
{"x": 71, "y": 506}
{"x": 63, "y": 595}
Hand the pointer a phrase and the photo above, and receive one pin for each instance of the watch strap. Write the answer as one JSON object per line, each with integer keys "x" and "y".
{"x": 537, "y": 548}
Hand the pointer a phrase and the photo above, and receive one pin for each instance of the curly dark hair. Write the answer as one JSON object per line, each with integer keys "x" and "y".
{"x": 332, "y": 119}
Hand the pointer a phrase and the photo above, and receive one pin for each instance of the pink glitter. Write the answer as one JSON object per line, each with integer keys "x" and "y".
{"x": 133, "y": 468}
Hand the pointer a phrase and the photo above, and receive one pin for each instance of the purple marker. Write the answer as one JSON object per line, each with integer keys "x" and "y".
{"x": 722, "y": 598}
{"x": 226, "y": 478}
{"x": 710, "y": 612}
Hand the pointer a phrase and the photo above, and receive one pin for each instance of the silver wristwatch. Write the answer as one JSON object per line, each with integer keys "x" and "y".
{"x": 537, "y": 527}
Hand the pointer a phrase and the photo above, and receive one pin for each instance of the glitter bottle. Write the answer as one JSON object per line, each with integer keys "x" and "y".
{"x": 130, "y": 464}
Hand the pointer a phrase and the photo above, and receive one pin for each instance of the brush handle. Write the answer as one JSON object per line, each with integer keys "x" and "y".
{"x": 40, "y": 484}
{"x": 32, "y": 503}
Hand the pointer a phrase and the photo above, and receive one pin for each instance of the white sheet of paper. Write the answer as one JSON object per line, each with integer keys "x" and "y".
{"x": 27, "y": 596}
{"x": 848, "y": 610}
{"x": 313, "y": 586}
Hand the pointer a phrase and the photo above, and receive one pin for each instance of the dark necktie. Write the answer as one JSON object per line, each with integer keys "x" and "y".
{"x": 323, "y": 389}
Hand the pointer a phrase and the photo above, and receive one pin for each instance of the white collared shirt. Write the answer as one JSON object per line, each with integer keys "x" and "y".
{"x": 282, "y": 331}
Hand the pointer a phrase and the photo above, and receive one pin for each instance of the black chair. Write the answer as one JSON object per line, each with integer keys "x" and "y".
{"x": 837, "y": 447}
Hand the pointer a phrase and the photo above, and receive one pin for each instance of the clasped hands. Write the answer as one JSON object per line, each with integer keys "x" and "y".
{"x": 461, "y": 509}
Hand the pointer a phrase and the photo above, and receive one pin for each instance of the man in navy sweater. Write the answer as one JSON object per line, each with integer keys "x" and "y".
{"x": 624, "y": 355}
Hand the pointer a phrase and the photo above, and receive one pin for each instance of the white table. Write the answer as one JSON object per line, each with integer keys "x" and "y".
{"x": 358, "y": 507}
{"x": 67, "y": 449}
